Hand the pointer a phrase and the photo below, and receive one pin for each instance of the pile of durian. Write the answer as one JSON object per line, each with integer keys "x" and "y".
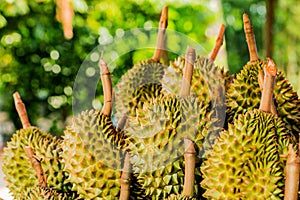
{"x": 186, "y": 131}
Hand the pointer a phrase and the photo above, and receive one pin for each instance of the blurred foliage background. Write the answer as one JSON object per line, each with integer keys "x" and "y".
{"x": 37, "y": 60}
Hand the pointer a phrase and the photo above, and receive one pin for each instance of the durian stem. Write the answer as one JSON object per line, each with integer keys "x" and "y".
{"x": 188, "y": 71}
{"x": 121, "y": 123}
{"x": 125, "y": 179}
{"x": 21, "y": 109}
{"x": 190, "y": 164}
{"x": 65, "y": 14}
{"x": 268, "y": 86}
{"x": 107, "y": 87}
{"x": 36, "y": 164}
{"x": 250, "y": 38}
{"x": 292, "y": 172}
{"x": 261, "y": 82}
{"x": 160, "y": 44}
{"x": 218, "y": 44}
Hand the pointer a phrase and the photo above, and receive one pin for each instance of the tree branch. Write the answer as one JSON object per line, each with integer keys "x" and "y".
{"x": 269, "y": 27}
{"x": 21, "y": 109}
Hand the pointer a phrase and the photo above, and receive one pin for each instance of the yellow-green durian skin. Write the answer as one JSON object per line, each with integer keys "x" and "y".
{"x": 244, "y": 94}
{"x": 43, "y": 193}
{"x": 180, "y": 197}
{"x": 209, "y": 85}
{"x": 173, "y": 76}
{"x": 17, "y": 168}
{"x": 93, "y": 157}
{"x": 245, "y": 161}
{"x": 141, "y": 81}
{"x": 157, "y": 150}
{"x": 206, "y": 81}
{"x": 209, "y": 80}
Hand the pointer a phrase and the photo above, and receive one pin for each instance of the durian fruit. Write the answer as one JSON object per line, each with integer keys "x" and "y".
{"x": 140, "y": 84}
{"x": 92, "y": 149}
{"x": 206, "y": 75}
{"x": 209, "y": 83}
{"x": 245, "y": 161}
{"x": 155, "y": 142}
{"x": 16, "y": 166}
{"x": 180, "y": 197}
{"x": 143, "y": 81}
{"x": 39, "y": 193}
{"x": 244, "y": 93}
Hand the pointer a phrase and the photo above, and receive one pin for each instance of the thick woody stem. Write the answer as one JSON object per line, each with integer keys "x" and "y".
{"x": 125, "y": 179}
{"x": 190, "y": 164}
{"x": 261, "y": 82}
{"x": 190, "y": 57}
{"x": 268, "y": 86}
{"x": 160, "y": 44}
{"x": 36, "y": 164}
{"x": 292, "y": 172}
{"x": 218, "y": 44}
{"x": 121, "y": 123}
{"x": 107, "y": 87}
{"x": 20, "y": 107}
{"x": 250, "y": 38}
{"x": 65, "y": 14}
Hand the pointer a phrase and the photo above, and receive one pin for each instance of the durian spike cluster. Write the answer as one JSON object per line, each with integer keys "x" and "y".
{"x": 172, "y": 140}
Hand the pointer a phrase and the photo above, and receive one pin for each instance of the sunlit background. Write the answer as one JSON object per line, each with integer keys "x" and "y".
{"x": 39, "y": 62}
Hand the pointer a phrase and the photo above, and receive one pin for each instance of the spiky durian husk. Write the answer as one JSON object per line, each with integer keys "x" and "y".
{"x": 173, "y": 76}
{"x": 16, "y": 165}
{"x": 144, "y": 94}
{"x": 180, "y": 197}
{"x": 245, "y": 162}
{"x": 146, "y": 75}
{"x": 209, "y": 83}
{"x": 244, "y": 94}
{"x": 92, "y": 156}
{"x": 206, "y": 81}
{"x": 155, "y": 138}
{"x": 39, "y": 193}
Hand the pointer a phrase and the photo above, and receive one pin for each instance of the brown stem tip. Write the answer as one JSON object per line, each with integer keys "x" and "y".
{"x": 218, "y": 44}
{"x": 271, "y": 67}
{"x": 163, "y": 22}
{"x": 21, "y": 109}
{"x": 160, "y": 44}
{"x": 107, "y": 87}
{"x": 268, "y": 86}
{"x": 250, "y": 38}
{"x": 190, "y": 57}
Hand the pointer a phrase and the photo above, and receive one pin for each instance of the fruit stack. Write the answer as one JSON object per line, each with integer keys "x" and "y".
{"x": 186, "y": 131}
